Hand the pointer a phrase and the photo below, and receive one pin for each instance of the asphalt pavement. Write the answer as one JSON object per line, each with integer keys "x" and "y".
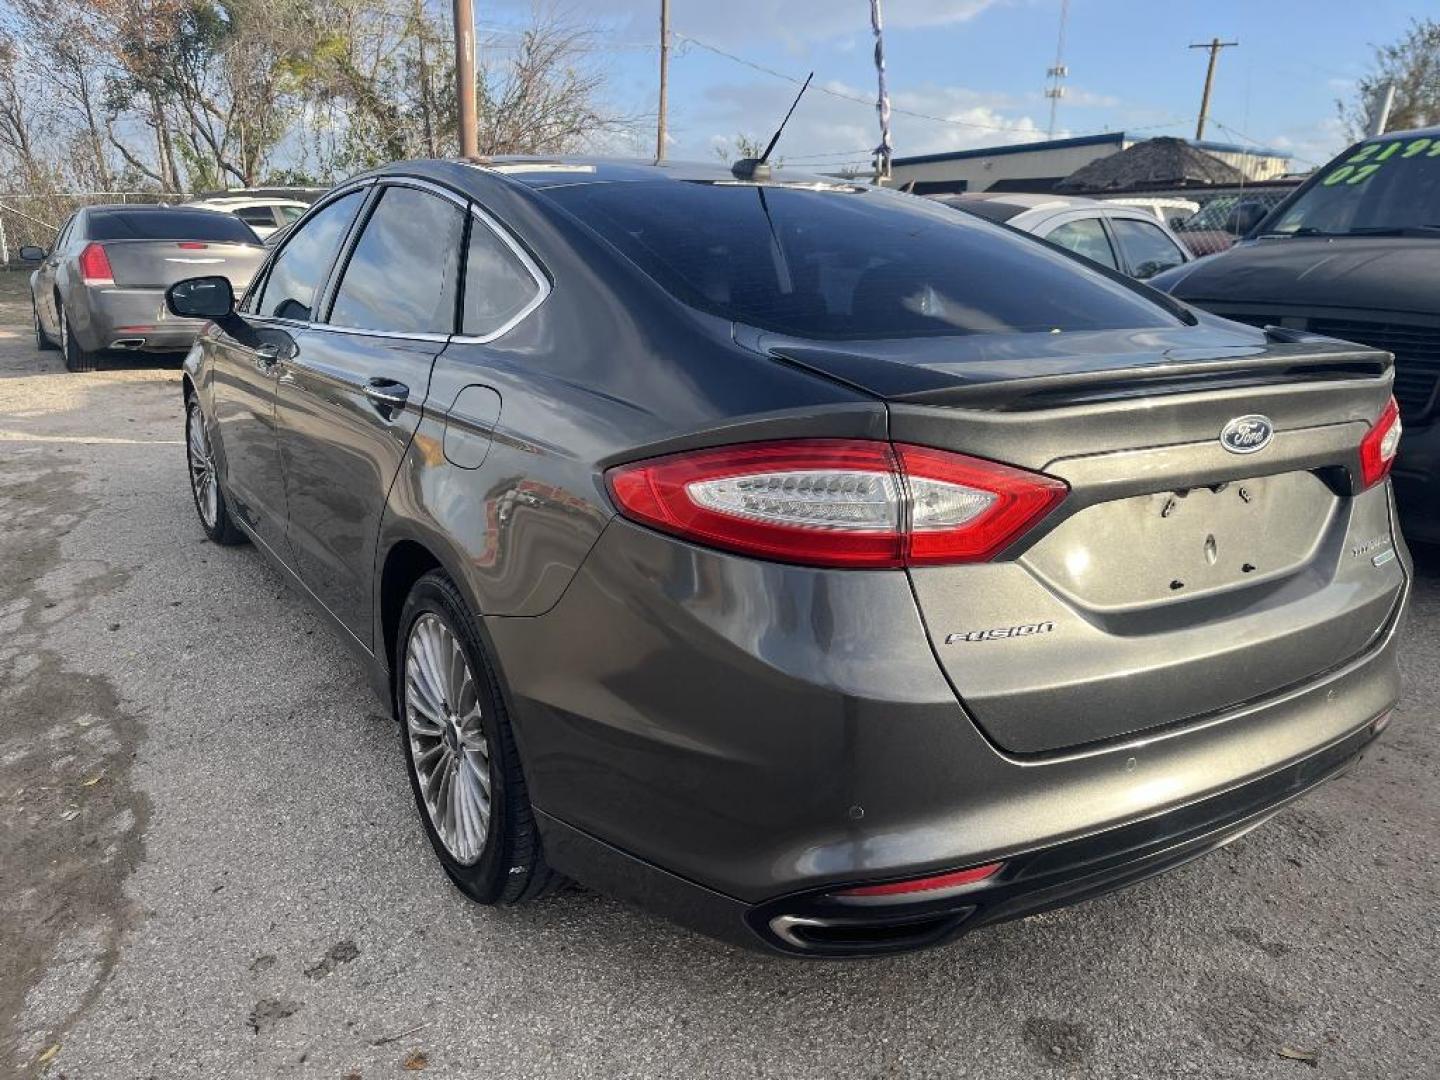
{"x": 211, "y": 865}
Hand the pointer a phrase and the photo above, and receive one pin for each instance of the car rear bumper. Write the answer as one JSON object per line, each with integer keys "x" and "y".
{"x": 728, "y": 741}
{"x": 1417, "y": 483}
{"x": 129, "y": 319}
{"x": 818, "y": 924}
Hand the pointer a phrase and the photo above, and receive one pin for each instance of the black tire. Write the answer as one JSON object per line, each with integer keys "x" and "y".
{"x": 222, "y": 529}
{"x": 511, "y": 867}
{"x": 76, "y": 358}
{"x": 42, "y": 339}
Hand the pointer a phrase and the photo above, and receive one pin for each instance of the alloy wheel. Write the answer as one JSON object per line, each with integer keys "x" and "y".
{"x": 449, "y": 749}
{"x": 202, "y": 466}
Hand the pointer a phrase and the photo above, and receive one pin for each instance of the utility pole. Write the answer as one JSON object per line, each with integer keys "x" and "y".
{"x": 1056, "y": 90}
{"x": 664, "y": 80}
{"x": 1214, "y": 45}
{"x": 1380, "y": 110}
{"x": 885, "y": 151}
{"x": 465, "y": 77}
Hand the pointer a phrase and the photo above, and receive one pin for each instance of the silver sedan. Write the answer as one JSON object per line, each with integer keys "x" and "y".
{"x": 103, "y": 285}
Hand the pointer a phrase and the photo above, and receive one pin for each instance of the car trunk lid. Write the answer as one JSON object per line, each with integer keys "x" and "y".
{"x": 158, "y": 264}
{"x": 1178, "y": 579}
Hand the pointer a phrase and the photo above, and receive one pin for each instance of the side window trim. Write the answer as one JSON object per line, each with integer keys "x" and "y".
{"x": 543, "y": 285}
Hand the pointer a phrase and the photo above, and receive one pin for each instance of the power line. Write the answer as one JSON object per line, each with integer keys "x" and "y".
{"x": 842, "y": 95}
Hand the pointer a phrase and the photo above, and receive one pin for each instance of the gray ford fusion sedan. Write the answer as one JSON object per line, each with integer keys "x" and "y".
{"x": 821, "y": 568}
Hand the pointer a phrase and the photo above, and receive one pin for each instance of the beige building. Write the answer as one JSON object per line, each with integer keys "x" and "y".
{"x": 1039, "y": 166}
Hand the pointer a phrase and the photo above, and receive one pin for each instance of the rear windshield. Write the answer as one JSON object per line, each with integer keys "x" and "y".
{"x": 168, "y": 225}
{"x": 849, "y": 263}
{"x": 989, "y": 209}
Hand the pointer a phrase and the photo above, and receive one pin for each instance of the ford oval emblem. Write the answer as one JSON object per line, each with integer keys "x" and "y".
{"x": 1247, "y": 434}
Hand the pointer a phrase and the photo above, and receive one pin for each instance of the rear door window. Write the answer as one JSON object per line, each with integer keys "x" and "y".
{"x": 289, "y": 291}
{"x": 1147, "y": 249}
{"x": 498, "y": 285}
{"x": 403, "y": 274}
{"x": 1085, "y": 236}
{"x": 177, "y": 224}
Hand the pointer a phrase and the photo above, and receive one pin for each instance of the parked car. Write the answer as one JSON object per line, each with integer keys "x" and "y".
{"x": 1354, "y": 254}
{"x": 830, "y": 571}
{"x": 103, "y": 285}
{"x": 264, "y": 215}
{"x": 1122, "y": 238}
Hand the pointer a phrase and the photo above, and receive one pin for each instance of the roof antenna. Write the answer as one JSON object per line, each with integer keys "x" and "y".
{"x": 759, "y": 168}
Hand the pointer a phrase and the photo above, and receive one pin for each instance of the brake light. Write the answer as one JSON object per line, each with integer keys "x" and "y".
{"x": 1378, "y": 448}
{"x": 937, "y": 883}
{"x": 192, "y": 245}
{"x": 837, "y": 502}
{"x": 95, "y": 266}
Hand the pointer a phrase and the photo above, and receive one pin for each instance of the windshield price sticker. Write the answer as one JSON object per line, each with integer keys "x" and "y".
{"x": 1366, "y": 161}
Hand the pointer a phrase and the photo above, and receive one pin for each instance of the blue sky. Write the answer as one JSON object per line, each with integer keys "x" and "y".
{"x": 980, "y": 64}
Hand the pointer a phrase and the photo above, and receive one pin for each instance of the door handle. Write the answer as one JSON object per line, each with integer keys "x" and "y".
{"x": 266, "y": 357}
{"x": 387, "y": 395}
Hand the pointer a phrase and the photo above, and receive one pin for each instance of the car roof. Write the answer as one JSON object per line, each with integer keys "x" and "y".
{"x": 544, "y": 172}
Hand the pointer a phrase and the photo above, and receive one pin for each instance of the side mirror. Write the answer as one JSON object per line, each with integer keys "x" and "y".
{"x": 31, "y": 253}
{"x": 201, "y": 298}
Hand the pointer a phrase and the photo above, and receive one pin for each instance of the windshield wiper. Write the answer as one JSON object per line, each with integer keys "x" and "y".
{"x": 1304, "y": 230}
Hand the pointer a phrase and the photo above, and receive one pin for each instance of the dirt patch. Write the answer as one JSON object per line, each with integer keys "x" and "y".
{"x": 66, "y": 745}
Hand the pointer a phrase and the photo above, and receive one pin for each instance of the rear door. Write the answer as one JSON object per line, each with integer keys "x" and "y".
{"x": 44, "y": 287}
{"x": 350, "y": 400}
{"x": 246, "y": 363}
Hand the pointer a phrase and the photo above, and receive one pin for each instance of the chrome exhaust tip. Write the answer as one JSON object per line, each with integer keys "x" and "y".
{"x": 127, "y": 343}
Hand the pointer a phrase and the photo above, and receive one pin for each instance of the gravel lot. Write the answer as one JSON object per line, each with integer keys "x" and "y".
{"x": 211, "y": 865}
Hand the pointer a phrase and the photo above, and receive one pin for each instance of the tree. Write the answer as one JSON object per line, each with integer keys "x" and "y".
{"x": 1413, "y": 65}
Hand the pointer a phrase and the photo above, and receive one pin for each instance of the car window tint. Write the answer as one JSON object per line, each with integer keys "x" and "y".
{"x": 844, "y": 262}
{"x": 256, "y": 215}
{"x": 290, "y": 213}
{"x": 1147, "y": 249}
{"x": 1085, "y": 236}
{"x": 402, "y": 275}
{"x": 497, "y": 284}
{"x": 176, "y": 224}
{"x": 290, "y": 288}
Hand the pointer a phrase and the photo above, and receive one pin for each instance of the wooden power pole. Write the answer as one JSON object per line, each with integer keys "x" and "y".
{"x": 465, "y": 77}
{"x": 664, "y": 80}
{"x": 1214, "y": 45}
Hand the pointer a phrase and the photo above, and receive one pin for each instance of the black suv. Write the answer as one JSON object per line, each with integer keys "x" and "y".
{"x": 1354, "y": 253}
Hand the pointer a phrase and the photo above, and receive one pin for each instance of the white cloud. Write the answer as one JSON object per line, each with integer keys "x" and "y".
{"x": 829, "y": 130}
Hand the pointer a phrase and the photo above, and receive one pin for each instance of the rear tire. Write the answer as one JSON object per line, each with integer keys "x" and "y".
{"x": 462, "y": 742}
{"x": 42, "y": 339}
{"x": 76, "y": 358}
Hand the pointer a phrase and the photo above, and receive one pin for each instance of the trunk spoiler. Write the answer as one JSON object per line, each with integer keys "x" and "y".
{"x": 1290, "y": 356}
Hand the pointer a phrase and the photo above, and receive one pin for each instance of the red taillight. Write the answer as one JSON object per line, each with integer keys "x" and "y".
{"x": 95, "y": 266}
{"x": 933, "y": 884}
{"x": 192, "y": 245}
{"x": 1378, "y": 448}
{"x": 837, "y": 502}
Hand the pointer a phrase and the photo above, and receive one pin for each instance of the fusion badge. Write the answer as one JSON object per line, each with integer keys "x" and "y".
{"x": 1001, "y": 633}
{"x": 1247, "y": 434}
